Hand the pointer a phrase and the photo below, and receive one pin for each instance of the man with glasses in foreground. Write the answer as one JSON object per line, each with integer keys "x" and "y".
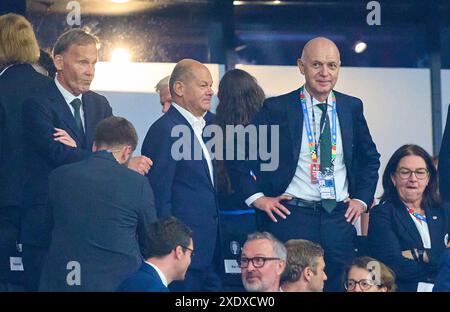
{"x": 262, "y": 262}
{"x": 168, "y": 251}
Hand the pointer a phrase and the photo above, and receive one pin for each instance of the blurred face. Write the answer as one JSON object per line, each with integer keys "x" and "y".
{"x": 318, "y": 278}
{"x": 320, "y": 66}
{"x": 410, "y": 186}
{"x": 196, "y": 91}
{"x": 360, "y": 280}
{"x": 165, "y": 98}
{"x": 76, "y": 68}
{"x": 267, "y": 277}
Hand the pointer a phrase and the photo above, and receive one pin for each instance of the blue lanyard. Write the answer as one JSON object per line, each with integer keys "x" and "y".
{"x": 313, "y": 144}
{"x": 416, "y": 215}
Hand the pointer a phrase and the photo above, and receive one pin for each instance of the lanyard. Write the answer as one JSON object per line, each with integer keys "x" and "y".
{"x": 416, "y": 215}
{"x": 313, "y": 145}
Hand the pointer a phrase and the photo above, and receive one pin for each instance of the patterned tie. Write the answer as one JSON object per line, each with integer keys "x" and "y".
{"x": 325, "y": 151}
{"x": 76, "y": 104}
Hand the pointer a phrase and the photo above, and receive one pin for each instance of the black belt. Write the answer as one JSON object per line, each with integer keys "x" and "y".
{"x": 298, "y": 202}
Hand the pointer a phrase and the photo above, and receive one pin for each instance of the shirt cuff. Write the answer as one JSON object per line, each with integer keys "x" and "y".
{"x": 249, "y": 201}
{"x": 365, "y": 205}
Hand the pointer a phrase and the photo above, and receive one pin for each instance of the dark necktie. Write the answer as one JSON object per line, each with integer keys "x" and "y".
{"x": 325, "y": 151}
{"x": 76, "y": 104}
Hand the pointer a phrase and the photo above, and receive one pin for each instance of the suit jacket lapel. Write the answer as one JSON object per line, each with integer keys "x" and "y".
{"x": 295, "y": 122}
{"x": 434, "y": 222}
{"x": 63, "y": 111}
{"x": 89, "y": 118}
{"x": 178, "y": 119}
{"x": 402, "y": 216}
{"x": 346, "y": 126}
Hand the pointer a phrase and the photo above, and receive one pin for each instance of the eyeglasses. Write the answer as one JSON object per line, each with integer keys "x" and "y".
{"x": 190, "y": 249}
{"x": 420, "y": 173}
{"x": 364, "y": 284}
{"x": 258, "y": 262}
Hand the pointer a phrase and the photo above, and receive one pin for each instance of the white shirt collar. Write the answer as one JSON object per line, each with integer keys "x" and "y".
{"x": 160, "y": 273}
{"x": 69, "y": 97}
{"x": 3, "y": 71}
{"x": 315, "y": 101}
{"x": 189, "y": 116}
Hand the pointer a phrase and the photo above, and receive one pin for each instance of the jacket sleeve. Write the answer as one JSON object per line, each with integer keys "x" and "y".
{"x": 157, "y": 146}
{"x": 444, "y": 162}
{"x": 38, "y": 129}
{"x": 367, "y": 160}
{"x": 146, "y": 212}
{"x": 385, "y": 246}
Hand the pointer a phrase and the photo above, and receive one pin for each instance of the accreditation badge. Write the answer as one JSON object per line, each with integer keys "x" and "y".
{"x": 314, "y": 169}
{"x": 326, "y": 183}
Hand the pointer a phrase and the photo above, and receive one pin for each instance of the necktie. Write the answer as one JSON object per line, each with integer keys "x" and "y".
{"x": 76, "y": 104}
{"x": 325, "y": 151}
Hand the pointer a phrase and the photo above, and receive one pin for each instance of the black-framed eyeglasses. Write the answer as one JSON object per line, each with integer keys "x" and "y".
{"x": 190, "y": 249}
{"x": 420, "y": 173}
{"x": 258, "y": 262}
{"x": 364, "y": 284}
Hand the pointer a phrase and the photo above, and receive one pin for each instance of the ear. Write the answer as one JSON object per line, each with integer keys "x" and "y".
{"x": 178, "y": 252}
{"x": 392, "y": 179}
{"x": 94, "y": 147}
{"x": 301, "y": 65}
{"x": 307, "y": 273}
{"x": 281, "y": 267}
{"x": 126, "y": 153}
{"x": 178, "y": 88}
{"x": 58, "y": 61}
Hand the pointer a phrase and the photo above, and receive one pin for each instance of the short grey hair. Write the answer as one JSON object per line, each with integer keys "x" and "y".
{"x": 162, "y": 84}
{"x": 279, "y": 250}
{"x": 74, "y": 36}
{"x": 181, "y": 72}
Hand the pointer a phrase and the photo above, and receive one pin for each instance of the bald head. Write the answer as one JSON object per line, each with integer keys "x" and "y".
{"x": 321, "y": 44}
{"x": 190, "y": 86}
{"x": 320, "y": 63}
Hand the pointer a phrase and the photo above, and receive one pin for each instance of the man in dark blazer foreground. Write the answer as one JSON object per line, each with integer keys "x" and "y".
{"x": 167, "y": 253}
{"x": 102, "y": 211}
{"x": 58, "y": 126}
{"x": 183, "y": 178}
{"x": 290, "y": 203}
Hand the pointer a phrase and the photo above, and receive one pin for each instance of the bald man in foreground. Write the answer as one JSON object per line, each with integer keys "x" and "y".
{"x": 328, "y": 163}
{"x": 183, "y": 182}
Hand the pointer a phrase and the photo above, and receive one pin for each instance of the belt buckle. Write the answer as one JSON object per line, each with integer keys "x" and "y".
{"x": 317, "y": 205}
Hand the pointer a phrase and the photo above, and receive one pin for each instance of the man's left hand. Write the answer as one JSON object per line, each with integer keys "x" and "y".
{"x": 354, "y": 210}
{"x": 140, "y": 164}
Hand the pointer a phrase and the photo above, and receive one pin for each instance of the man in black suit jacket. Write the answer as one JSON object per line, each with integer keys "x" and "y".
{"x": 167, "y": 253}
{"x": 184, "y": 186}
{"x": 324, "y": 215}
{"x": 58, "y": 126}
{"x": 102, "y": 211}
